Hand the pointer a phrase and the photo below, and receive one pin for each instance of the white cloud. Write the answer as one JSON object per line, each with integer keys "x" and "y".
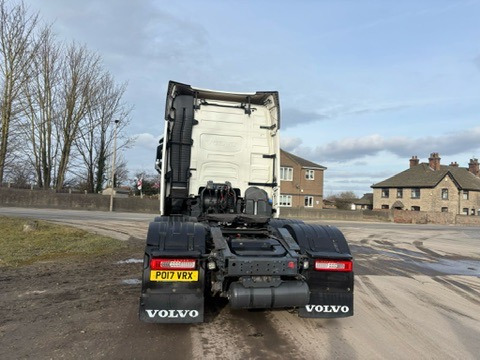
{"x": 290, "y": 143}
{"x": 330, "y": 110}
{"x": 352, "y": 148}
{"x": 349, "y": 173}
{"x": 147, "y": 141}
{"x": 292, "y": 117}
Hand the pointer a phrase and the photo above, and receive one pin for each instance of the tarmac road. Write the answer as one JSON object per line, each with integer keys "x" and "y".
{"x": 417, "y": 295}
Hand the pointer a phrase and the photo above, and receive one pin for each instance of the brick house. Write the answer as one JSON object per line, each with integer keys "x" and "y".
{"x": 301, "y": 182}
{"x": 431, "y": 187}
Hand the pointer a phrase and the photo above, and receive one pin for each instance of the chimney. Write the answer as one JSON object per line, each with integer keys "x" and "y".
{"x": 473, "y": 167}
{"x": 454, "y": 164}
{"x": 414, "y": 161}
{"x": 434, "y": 161}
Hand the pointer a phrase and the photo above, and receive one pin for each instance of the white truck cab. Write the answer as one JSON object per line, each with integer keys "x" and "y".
{"x": 219, "y": 141}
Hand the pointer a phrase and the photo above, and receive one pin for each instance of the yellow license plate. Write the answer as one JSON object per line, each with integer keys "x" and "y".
{"x": 173, "y": 275}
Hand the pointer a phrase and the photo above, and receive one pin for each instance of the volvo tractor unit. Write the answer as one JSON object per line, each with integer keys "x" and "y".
{"x": 219, "y": 233}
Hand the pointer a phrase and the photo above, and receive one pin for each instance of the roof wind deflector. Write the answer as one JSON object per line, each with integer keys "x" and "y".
{"x": 250, "y": 98}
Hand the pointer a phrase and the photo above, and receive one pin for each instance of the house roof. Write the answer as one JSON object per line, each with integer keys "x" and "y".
{"x": 366, "y": 199}
{"x": 423, "y": 176}
{"x": 302, "y": 162}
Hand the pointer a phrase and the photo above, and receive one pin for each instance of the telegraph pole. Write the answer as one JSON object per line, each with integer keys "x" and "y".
{"x": 113, "y": 162}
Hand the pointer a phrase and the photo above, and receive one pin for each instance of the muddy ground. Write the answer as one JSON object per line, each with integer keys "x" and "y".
{"x": 417, "y": 295}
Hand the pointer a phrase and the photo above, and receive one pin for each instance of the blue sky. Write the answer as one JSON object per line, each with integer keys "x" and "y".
{"x": 364, "y": 85}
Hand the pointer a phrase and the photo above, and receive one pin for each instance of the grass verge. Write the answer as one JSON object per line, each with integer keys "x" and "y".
{"x": 24, "y": 242}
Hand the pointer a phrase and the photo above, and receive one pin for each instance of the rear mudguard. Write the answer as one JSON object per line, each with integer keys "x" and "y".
{"x": 179, "y": 301}
{"x": 331, "y": 293}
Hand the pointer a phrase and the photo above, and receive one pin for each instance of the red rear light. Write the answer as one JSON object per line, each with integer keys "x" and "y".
{"x": 334, "y": 265}
{"x": 173, "y": 264}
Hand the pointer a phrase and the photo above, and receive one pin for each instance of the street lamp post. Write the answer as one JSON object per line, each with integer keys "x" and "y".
{"x": 113, "y": 162}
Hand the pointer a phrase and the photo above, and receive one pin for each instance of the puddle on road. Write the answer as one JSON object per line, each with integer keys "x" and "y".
{"x": 372, "y": 261}
{"x": 130, "y": 261}
{"x": 131, "y": 281}
{"x": 452, "y": 267}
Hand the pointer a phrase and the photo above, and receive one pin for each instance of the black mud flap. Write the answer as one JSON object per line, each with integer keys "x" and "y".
{"x": 331, "y": 295}
{"x": 161, "y": 307}
{"x": 173, "y": 296}
{"x": 328, "y": 305}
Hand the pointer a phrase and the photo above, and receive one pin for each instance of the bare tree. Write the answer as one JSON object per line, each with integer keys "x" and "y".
{"x": 343, "y": 200}
{"x": 57, "y": 105}
{"x": 97, "y": 129}
{"x": 79, "y": 75}
{"x": 16, "y": 39}
{"x": 80, "y": 182}
{"x": 20, "y": 175}
{"x": 121, "y": 172}
{"x": 40, "y": 107}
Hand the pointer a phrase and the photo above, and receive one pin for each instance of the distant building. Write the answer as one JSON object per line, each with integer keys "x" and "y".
{"x": 329, "y": 204}
{"x": 431, "y": 187}
{"x": 365, "y": 202}
{"x": 301, "y": 182}
{"x": 117, "y": 192}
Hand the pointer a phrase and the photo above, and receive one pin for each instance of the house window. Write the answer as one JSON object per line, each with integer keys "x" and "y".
{"x": 286, "y": 173}
{"x": 399, "y": 193}
{"x": 385, "y": 193}
{"x": 472, "y": 212}
{"x": 310, "y": 174}
{"x": 465, "y": 211}
{"x": 415, "y": 208}
{"x": 444, "y": 209}
{"x": 415, "y": 193}
{"x": 385, "y": 207}
{"x": 465, "y": 194}
{"x": 445, "y": 194}
{"x": 286, "y": 200}
{"x": 308, "y": 201}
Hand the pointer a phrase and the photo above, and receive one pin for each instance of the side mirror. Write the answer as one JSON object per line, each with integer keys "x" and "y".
{"x": 158, "y": 160}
